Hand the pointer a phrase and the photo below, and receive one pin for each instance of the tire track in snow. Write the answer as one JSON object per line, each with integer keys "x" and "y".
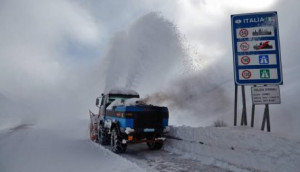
{"x": 164, "y": 161}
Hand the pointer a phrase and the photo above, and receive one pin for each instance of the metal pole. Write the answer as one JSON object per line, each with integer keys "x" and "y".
{"x": 252, "y": 116}
{"x": 242, "y": 118}
{"x": 252, "y": 113}
{"x": 235, "y": 104}
{"x": 244, "y": 113}
{"x": 268, "y": 118}
{"x": 264, "y": 119}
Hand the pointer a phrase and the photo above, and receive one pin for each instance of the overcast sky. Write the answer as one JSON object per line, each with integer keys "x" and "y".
{"x": 53, "y": 53}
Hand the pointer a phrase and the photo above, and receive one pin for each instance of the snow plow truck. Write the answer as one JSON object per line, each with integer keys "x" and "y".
{"x": 124, "y": 118}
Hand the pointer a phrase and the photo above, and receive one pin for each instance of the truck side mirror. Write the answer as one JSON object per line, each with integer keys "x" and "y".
{"x": 97, "y": 101}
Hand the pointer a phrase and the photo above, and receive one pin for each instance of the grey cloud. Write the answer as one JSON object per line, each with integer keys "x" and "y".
{"x": 34, "y": 75}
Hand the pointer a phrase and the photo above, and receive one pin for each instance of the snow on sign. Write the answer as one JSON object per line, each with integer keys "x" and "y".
{"x": 265, "y": 95}
{"x": 256, "y": 49}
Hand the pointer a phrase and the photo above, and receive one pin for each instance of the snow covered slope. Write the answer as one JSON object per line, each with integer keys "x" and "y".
{"x": 30, "y": 148}
{"x": 236, "y": 148}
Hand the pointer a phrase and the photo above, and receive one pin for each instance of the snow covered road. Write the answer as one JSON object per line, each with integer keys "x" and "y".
{"x": 28, "y": 148}
{"x": 164, "y": 161}
{"x": 38, "y": 148}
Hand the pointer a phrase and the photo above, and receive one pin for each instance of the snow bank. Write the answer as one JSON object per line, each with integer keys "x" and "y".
{"x": 236, "y": 149}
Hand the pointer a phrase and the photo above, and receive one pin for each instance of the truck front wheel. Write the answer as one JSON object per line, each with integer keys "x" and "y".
{"x": 103, "y": 136}
{"x": 116, "y": 143}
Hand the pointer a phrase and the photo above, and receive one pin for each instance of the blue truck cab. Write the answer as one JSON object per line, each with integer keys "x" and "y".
{"x": 125, "y": 118}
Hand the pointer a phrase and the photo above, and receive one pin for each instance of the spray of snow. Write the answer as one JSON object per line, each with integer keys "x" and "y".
{"x": 149, "y": 55}
{"x": 146, "y": 52}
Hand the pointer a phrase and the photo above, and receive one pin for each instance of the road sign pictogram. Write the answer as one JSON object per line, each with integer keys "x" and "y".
{"x": 263, "y": 59}
{"x": 244, "y": 46}
{"x": 246, "y": 74}
{"x": 264, "y": 73}
{"x": 245, "y": 60}
{"x": 243, "y": 32}
{"x": 263, "y": 45}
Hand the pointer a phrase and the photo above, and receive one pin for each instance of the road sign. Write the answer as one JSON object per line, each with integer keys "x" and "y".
{"x": 243, "y": 33}
{"x": 256, "y": 49}
{"x": 246, "y": 74}
{"x": 258, "y": 74}
{"x": 263, "y": 59}
{"x": 265, "y": 95}
{"x": 245, "y": 60}
{"x": 254, "y": 60}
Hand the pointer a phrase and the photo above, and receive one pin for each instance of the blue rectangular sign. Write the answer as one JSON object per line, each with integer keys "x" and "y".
{"x": 256, "y": 49}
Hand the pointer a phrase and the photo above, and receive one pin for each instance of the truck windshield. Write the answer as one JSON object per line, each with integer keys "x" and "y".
{"x": 111, "y": 99}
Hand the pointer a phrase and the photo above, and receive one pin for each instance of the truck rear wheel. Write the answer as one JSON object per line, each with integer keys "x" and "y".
{"x": 155, "y": 145}
{"x": 116, "y": 143}
{"x": 103, "y": 136}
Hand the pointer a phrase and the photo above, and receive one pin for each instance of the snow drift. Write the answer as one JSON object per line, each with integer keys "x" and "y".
{"x": 236, "y": 148}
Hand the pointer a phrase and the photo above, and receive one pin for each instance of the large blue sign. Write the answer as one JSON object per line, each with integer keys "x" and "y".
{"x": 256, "y": 48}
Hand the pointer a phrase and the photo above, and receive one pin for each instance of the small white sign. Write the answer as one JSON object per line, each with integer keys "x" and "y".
{"x": 265, "y": 95}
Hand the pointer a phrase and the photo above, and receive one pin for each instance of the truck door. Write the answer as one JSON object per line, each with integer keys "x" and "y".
{"x": 103, "y": 106}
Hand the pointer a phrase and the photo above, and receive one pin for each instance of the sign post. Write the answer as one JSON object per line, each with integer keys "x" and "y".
{"x": 256, "y": 54}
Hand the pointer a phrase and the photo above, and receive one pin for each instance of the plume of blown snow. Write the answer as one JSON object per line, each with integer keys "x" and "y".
{"x": 148, "y": 56}
{"x": 144, "y": 55}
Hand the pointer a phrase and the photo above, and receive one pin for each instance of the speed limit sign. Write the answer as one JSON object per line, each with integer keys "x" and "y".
{"x": 246, "y": 74}
{"x": 244, "y": 46}
{"x": 243, "y": 32}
